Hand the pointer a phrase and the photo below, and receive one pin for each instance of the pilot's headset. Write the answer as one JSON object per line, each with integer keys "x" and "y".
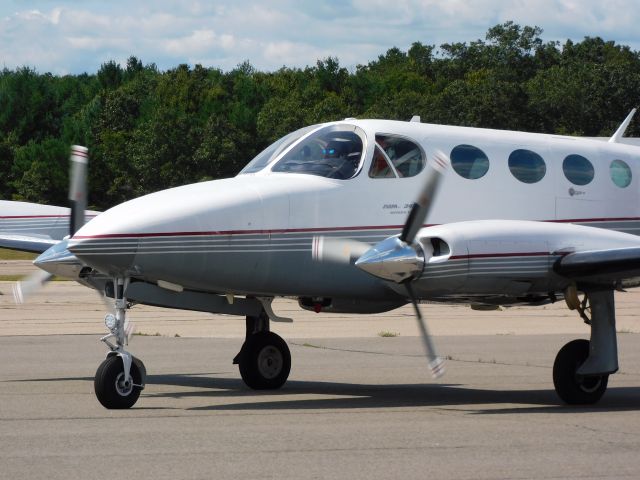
{"x": 334, "y": 149}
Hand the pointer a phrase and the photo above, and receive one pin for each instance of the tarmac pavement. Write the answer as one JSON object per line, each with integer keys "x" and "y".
{"x": 356, "y": 405}
{"x": 352, "y": 408}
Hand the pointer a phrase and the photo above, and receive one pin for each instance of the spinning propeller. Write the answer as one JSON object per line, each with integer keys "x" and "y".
{"x": 78, "y": 199}
{"x": 398, "y": 259}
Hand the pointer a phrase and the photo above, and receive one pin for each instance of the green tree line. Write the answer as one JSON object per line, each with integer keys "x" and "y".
{"x": 148, "y": 129}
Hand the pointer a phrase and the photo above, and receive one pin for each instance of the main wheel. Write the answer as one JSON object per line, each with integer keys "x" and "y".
{"x": 111, "y": 389}
{"x": 265, "y": 361}
{"x": 572, "y": 388}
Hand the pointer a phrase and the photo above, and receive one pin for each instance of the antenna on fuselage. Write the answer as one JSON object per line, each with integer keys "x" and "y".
{"x": 616, "y": 137}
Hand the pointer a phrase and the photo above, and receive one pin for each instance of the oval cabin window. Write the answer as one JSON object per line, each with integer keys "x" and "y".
{"x": 527, "y": 166}
{"x": 620, "y": 173}
{"x": 469, "y": 162}
{"x": 577, "y": 169}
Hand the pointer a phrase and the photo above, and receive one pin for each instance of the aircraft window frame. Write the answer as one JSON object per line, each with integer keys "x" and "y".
{"x": 267, "y": 156}
{"x": 581, "y": 172}
{"x": 531, "y": 168}
{"x": 334, "y": 165}
{"x": 397, "y": 162}
{"x": 625, "y": 179}
{"x": 472, "y": 172}
{"x": 390, "y": 171}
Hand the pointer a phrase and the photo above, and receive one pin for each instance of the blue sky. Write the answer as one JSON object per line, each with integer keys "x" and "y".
{"x": 74, "y": 36}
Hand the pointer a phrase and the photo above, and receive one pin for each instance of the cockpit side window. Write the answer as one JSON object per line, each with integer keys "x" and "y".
{"x": 406, "y": 156}
{"x": 380, "y": 167}
{"x": 333, "y": 152}
{"x": 266, "y": 156}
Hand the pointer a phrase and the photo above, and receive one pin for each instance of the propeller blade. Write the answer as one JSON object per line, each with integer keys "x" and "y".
{"x": 129, "y": 330}
{"x": 78, "y": 187}
{"x": 30, "y": 285}
{"x": 438, "y": 166}
{"x": 109, "y": 304}
{"x": 436, "y": 364}
{"x": 338, "y": 250}
{"x": 400, "y": 260}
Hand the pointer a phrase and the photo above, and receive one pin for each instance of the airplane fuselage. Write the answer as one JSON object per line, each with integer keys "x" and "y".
{"x": 257, "y": 233}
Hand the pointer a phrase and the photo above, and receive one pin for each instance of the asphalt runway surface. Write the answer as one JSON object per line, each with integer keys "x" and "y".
{"x": 352, "y": 408}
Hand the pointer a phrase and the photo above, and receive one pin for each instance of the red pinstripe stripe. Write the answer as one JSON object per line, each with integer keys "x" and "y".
{"x": 310, "y": 230}
{"x": 502, "y": 255}
{"x": 3, "y": 217}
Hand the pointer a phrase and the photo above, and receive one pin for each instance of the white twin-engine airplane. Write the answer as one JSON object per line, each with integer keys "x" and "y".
{"x": 363, "y": 216}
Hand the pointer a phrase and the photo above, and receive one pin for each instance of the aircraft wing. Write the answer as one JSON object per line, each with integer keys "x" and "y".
{"x": 26, "y": 243}
{"x": 600, "y": 266}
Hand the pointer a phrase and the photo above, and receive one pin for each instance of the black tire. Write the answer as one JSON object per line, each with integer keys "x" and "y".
{"x": 571, "y": 388}
{"x": 110, "y": 391}
{"x": 265, "y": 361}
{"x": 142, "y": 369}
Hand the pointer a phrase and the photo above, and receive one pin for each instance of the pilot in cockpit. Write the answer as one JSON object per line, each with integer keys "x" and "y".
{"x": 337, "y": 154}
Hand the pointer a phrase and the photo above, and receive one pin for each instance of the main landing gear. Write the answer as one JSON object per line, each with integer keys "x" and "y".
{"x": 582, "y": 368}
{"x": 121, "y": 377}
{"x": 264, "y": 359}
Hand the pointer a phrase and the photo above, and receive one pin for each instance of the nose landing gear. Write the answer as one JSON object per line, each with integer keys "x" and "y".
{"x": 121, "y": 377}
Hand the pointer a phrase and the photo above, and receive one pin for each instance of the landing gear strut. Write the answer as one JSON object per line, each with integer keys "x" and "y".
{"x": 121, "y": 377}
{"x": 582, "y": 368}
{"x": 264, "y": 359}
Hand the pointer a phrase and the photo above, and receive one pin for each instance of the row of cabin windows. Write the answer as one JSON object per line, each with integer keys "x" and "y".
{"x": 527, "y": 166}
{"x": 398, "y": 157}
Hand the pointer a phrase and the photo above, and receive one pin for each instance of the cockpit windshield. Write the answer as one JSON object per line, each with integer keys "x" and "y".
{"x": 334, "y": 152}
{"x": 276, "y": 148}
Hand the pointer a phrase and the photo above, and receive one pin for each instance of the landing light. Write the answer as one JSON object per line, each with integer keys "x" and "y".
{"x": 110, "y": 321}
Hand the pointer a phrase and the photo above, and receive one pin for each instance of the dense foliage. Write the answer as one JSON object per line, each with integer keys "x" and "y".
{"x": 148, "y": 130}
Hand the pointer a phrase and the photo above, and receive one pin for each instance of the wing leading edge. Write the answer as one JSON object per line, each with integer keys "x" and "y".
{"x": 26, "y": 243}
{"x": 600, "y": 266}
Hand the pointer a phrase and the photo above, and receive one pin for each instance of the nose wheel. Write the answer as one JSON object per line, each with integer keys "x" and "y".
{"x": 265, "y": 361}
{"x": 112, "y": 387}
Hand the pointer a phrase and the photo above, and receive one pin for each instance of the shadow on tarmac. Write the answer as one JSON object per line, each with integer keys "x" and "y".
{"x": 387, "y": 396}
{"x": 362, "y": 396}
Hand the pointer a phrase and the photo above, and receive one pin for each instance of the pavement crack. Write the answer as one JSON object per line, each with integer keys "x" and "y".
{"x": 414, "y": 355}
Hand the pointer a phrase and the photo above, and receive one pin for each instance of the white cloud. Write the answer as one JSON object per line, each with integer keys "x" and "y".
{"x": 290, "y": 53}
{"x": 198, "y": 42}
